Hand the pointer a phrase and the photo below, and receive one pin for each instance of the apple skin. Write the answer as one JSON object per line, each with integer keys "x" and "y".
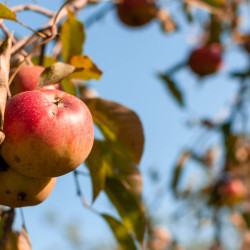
{"x": 136, "y": 13}
{"x": 48, "y": 133}
{"x": 206, "y": 60}
{"x": 26, "y": 79}
{"x": 17, "y": 190}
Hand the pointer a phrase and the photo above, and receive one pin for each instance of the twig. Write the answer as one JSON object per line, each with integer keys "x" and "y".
{"x": 208, "y": 8}
{"x": 23, "y": 219}
{"x": 98, "y": 16}
{"x": 41, "y": 57}
{"x": 28, "y": 55}
{"x": 74, "y": 6}
{"x": 7, "y": 227}
{"x": 79, "y": 191}
{"x": 33, "y": 7}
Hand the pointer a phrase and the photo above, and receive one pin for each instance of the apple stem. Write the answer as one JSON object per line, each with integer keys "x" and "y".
{"x": 58, "y": 102}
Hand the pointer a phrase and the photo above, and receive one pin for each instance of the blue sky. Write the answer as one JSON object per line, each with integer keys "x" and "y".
{"x": 130, "y": 60}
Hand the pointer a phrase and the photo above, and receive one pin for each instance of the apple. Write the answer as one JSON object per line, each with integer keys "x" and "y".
{"x": 48, "y": 133}
{"x": 232, "y": 192}
{"x": 26, "y": 79}
{"x": 206, "y": 60}
{"x": 17, "y": 190}
{"x": 135, "y": 13}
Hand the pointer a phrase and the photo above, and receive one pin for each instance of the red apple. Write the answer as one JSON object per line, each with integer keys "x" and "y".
{"x": 136, "y": 13}
{"x": 48, "y": 133}
{"x": 206, "y": 60}
{"x": 26, "y": 79}
{"x": 232, "y": 192}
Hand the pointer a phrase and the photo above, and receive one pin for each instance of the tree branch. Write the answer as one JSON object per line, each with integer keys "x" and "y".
{"x": 4, "y": 76}
{"x": 33, "y": 7}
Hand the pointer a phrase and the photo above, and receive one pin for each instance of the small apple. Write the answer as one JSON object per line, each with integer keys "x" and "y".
{"x": 135, "y": 13}
{"x": 17, "y": 190}
{"x": 48, "y": 133}
{"x": 231, "y": 192}
{"x": 26, "y": 79}
{"x": 206, "y": 60}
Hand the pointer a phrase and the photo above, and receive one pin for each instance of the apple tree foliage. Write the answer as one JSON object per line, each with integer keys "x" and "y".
{"x": 113, "y": 161}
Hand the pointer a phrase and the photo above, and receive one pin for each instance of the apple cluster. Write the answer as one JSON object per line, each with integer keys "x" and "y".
{"x": 48, "y": 133}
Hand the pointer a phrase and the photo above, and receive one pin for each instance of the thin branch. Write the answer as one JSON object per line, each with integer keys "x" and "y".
{"x": 33, "y": 7}
{"x": 79, "y": 191}
{"x": 208, "y": 8}
{"x": 23, "y": 219}
{"x": 28, "y": 55}
{"x": 42, "y": 54}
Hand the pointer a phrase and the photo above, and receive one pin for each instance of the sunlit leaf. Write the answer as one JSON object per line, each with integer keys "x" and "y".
{"x": 121, "y": 233}
{"x": 120, "y": 125}
{"x": 97, "y": 165}
{"x": 6, "y": 13}
{"x": 55, "y": 73}
{"x": 127, "y": 205}
{"x": 47, "y": 61}
{"x": 72, "y": 37}
{"x": 68, "y": 86}
{"x": 214, "y": 3}
{"x": 172, "y": 88}
{"x": 91, "y": 71}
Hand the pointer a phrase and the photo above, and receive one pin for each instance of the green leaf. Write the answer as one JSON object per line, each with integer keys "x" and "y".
{"x": 172, "y": 88}
{"x": 241, "y": 74}
{"x": 68, "y": 86}
{"x": 214, "y": 3}
{"x": 178, "y": 168}
{"x": 6, "y": 13}
{"x": 132, "y": 181}
{"x": 72, "y": 37}
{"x": 55, "y": 73}
{"x": 121, "y": 233}
{"x": 91, "y": 71}
{"x": 127, "y": 206}
{"x": 47, "y": 61}
{"x": 119, "y": 125}
{"x": 246, "y": 217}
{"x": 97, "y": 165}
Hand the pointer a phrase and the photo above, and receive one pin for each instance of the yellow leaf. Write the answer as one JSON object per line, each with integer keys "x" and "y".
{"x": 90, "y": 70}
{"x": 72, "y": 37}
{"x": 6, "y": 13}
